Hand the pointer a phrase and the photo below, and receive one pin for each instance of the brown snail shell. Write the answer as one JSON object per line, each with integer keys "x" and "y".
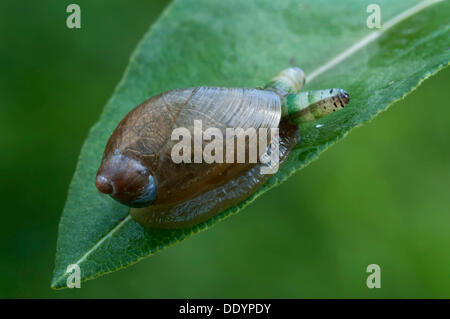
{"x": 137, "y": 163}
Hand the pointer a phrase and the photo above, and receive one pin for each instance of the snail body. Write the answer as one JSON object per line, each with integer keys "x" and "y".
{"x": 138, "y": 169}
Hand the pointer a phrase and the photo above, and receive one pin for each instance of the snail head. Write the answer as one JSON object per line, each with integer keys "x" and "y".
{"x": 126, "y": 179}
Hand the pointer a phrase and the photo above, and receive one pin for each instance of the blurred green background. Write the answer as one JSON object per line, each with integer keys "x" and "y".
{"x": 379, "y": 196}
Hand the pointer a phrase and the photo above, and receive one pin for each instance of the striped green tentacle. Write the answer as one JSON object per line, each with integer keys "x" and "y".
{"x": 288, "y": 81}
{"x": 305, "y": 106}
{"x": 312, "y": 105}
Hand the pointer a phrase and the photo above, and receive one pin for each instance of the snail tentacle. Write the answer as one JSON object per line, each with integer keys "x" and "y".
{"x": 288, "y": 81}
{"x": 313, "y": 105}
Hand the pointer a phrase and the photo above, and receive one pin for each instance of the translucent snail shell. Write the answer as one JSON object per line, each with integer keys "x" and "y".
{"x": 137, "y": 168}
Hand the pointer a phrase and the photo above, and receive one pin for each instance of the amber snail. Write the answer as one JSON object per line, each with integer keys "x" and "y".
{"x": 137, "y": 168}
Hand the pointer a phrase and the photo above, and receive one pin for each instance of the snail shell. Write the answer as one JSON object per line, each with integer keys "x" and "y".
{"x": 137, "y": 168}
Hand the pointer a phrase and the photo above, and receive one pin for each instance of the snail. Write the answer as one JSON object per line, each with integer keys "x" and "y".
{"x": 137, "y": 168}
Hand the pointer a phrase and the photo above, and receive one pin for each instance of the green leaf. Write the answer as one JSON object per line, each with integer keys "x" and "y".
{"x": 239, "y": 43}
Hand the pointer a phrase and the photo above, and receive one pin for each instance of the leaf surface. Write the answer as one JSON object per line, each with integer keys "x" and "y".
{"x": 239, "y": 43}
